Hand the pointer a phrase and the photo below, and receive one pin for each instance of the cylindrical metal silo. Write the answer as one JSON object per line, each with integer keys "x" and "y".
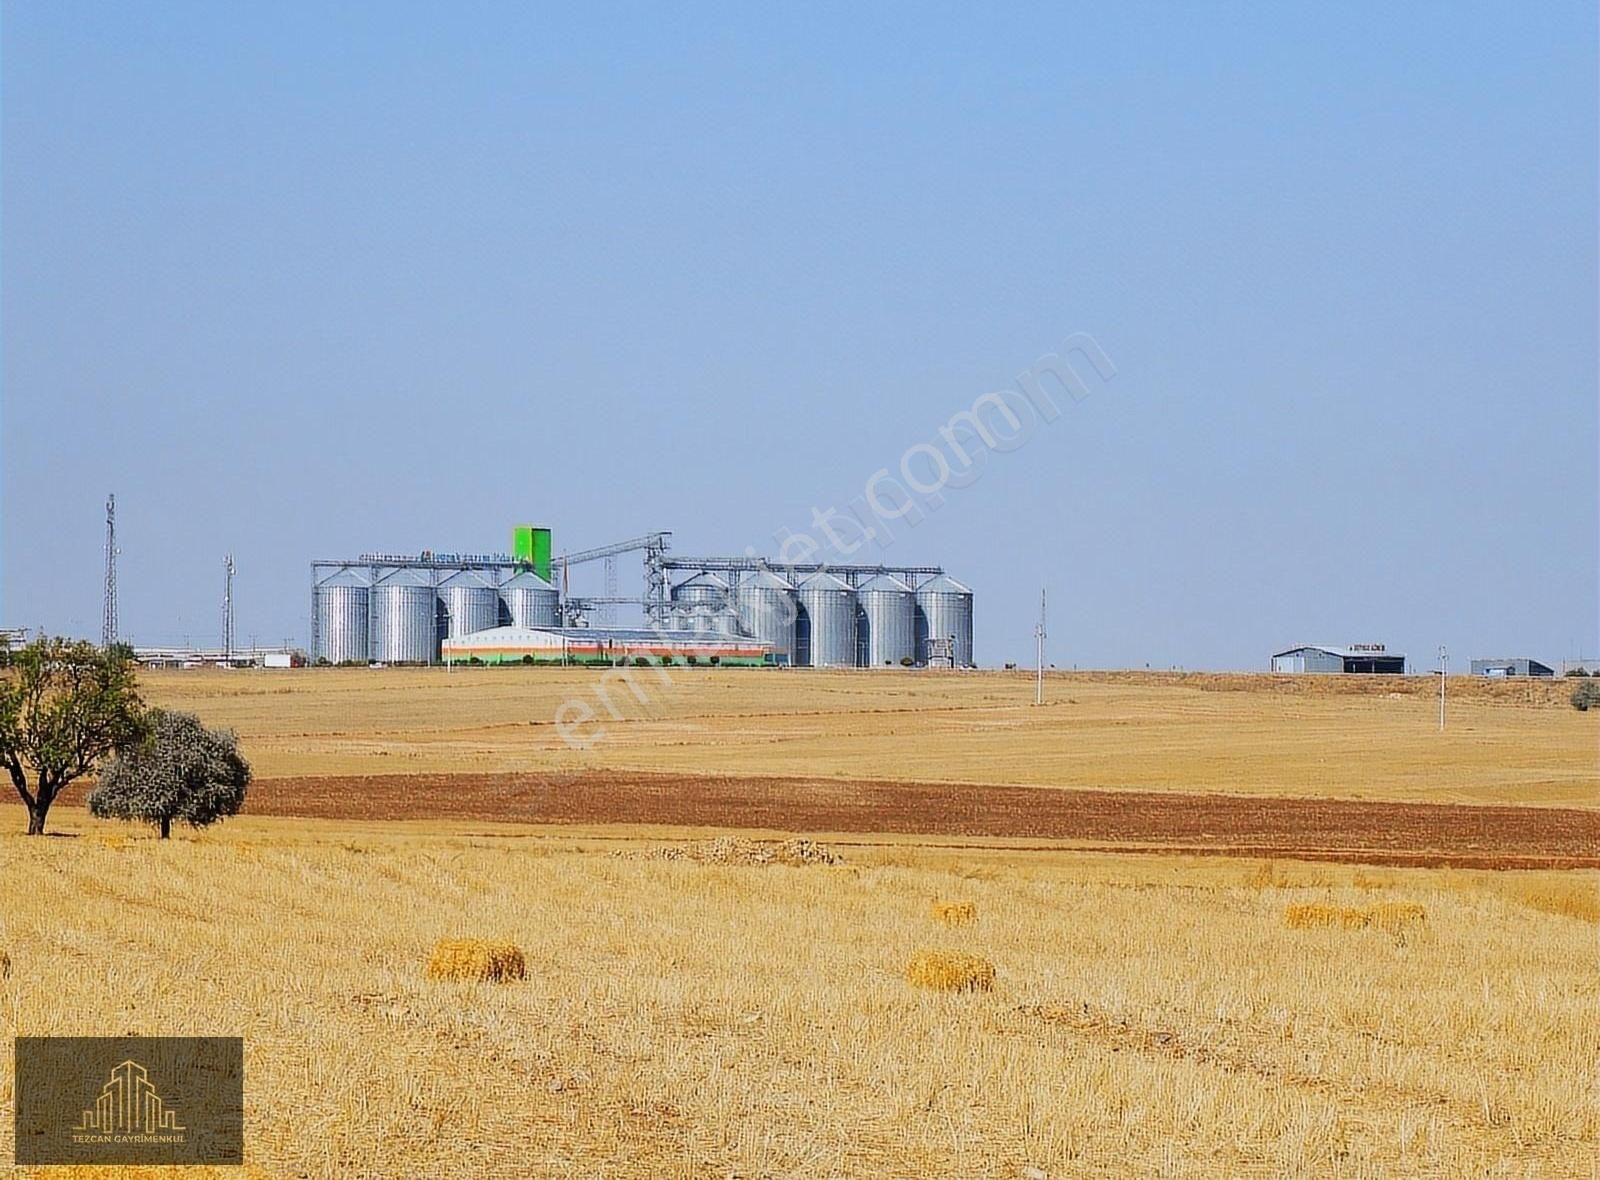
{"x": 405, "y": 618}
{"x": 944, "y": 611}
{"x": 887, "y": 621}
{"x": 765, "y": 604}
{"x": 698, "y": 617}
{"x": 340, "y": 608}
{"x": 830, "y": 605}
{"x": 527, "y": 600}
{"x": 703, "y": 587}
{"x": 469, "y": 601}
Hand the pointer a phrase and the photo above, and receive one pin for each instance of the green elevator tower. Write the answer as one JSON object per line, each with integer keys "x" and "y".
{"x": 531, "y": 544}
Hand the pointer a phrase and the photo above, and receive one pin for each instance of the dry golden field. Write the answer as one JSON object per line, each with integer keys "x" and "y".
{"x": 690, "y": 1015}
{"x": 1346, "y": 737}
{"x": 1150, "y": 1016}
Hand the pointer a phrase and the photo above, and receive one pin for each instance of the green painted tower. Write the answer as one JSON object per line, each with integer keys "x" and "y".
{"x": 531, "y": 544}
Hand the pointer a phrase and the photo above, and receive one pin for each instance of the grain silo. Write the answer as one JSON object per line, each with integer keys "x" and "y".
{"x": 944, "y": 612}
{"x": 703, "y": 587}
{"x": 405, "y": 618}
{"x": 765, "y": 604}
{"x": 469, "y": 601}
{"x": 527, "y": 600}
{"x": 886, "y": 622}
{"x": 339, "y": 610}
{"x": 828, "y": 611}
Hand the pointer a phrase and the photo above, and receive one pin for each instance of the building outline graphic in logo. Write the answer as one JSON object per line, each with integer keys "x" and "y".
{"x": 130, "y": 1105}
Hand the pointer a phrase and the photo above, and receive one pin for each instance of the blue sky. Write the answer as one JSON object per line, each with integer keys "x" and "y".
{"x": 300, "y": 283}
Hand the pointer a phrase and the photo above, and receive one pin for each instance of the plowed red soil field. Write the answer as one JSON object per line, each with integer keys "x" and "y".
{"x": 1422, "y": 834}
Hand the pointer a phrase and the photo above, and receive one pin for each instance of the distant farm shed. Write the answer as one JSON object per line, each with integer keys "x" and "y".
{"x": 1362, "y": 657}
{"x": 1514, "y": 667}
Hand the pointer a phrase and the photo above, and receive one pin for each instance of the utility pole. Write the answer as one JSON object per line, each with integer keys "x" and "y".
{"x": 1444, "y": 665}
{"x": 108, "y": 625}
{"x": 1038, "y": 635}
{"x": 227, "y": 609}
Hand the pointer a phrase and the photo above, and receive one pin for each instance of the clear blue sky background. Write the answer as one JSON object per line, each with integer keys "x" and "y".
{"x": 303, "y": 280}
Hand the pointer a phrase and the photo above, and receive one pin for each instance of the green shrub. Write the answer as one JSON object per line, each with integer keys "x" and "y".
{"x": 1585, "y": 696}
{"x": 182, "y": 771}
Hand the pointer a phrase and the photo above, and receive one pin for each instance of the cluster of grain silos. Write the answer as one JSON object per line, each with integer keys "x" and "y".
{"x": 842, "y": 618}
{"x": 395, "y": 608}
{"x": 398, "y": 615}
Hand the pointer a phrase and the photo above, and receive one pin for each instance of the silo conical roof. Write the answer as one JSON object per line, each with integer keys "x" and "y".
{"x": 823, "y": 580}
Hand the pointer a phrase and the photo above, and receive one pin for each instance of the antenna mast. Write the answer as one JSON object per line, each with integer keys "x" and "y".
{"x": 1038, "y": 635}
{"x": 108, "y": 624}
{"x": 227, "y": 609}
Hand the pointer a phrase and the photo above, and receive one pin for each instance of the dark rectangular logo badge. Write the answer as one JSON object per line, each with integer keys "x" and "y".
{"x": 130, "y": 1100}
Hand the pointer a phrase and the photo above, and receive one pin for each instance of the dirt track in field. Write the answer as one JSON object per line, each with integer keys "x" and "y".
{"x": 1421, "y": 834}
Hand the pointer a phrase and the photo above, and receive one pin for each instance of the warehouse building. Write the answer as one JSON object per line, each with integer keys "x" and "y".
{"x": 1360, "y": 657}
{"x": 1513, "y": 667}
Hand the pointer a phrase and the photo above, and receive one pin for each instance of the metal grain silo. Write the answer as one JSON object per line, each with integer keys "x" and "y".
{"x": 703, "y": 587}
{"x": 830, "y": 605}
{"x": 944, "y": 611}
{"x": 405, "y": 618}
{"x": 339, "y": 607}
{"x": 527, "y": 600}
{"x": 469, "y": 601}
{"x": 697, "y": 617}
{"x": 886, "y": 621}
{"x": 765, "y": 605}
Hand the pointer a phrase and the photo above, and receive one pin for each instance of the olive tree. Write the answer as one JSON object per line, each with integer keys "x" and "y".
{"x": 181, "y": 771}
{"x": 64, "y": 706}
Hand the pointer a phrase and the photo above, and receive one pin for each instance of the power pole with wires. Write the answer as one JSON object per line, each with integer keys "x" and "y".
{"x": 1038, "y": 635}
{"x": 1444, "y": 665}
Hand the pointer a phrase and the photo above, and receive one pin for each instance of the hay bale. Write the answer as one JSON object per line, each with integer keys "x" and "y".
{"x": 476, "y": 960}
{"x": 1385, "y": 915}
{"x": 1313, "y": 914}
{"x": 955, "y": 913}
{"x": 1396, "y": 915}
{"x": 950, "y": 971}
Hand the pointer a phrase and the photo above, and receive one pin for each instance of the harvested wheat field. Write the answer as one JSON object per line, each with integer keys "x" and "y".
{"x": 689, "y": 1017}
{"x": 1353, "y": 737}
{"x": 834, "y": 925}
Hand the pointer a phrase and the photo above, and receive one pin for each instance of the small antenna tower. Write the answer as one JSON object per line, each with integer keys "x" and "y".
{"x": 1038, "y": 635}
{"x": 227, "y": 608}
{"x": 108, "y": 624}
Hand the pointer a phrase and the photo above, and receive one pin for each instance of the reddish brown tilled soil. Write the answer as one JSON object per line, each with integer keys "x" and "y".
{"x": 1320, "y": 829}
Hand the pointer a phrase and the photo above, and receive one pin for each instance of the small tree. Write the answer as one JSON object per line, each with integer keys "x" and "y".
{"x": 64, "y": 706}
{"x": 183, "y": 771}
{"x": 1586, "y": 696}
